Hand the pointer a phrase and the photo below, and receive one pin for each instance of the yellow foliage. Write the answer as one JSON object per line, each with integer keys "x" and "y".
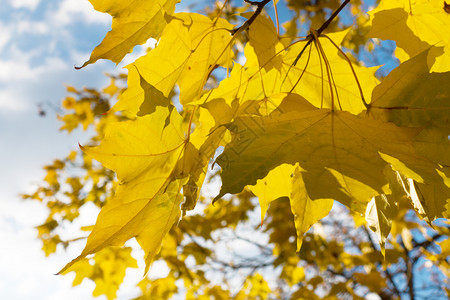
{"x": 297, "y": 118}
{"x": 415, "y": 26}
{"x": 133, "y": 23}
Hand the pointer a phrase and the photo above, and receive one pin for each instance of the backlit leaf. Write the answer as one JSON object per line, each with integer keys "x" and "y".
{"x": 411, "y": 96}
{"x": 144, "y": 154}
{"x": 190, "y": 46}
{"x": 133, "y": 24}
{"x": 415, "y": 26}
{"x": 306, "y": 211}
{"x": 140, "y": 97}
{"x": 379, "y": 215}
{"x": 329, "y": 146}
{"x": 264, "y": 39}
{"x": 276, "y": 184}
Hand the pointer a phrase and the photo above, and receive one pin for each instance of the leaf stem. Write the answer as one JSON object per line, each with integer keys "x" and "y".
{"x": 331, "y": 18}
{"x": 321, "y": 76}
{"x": 327, "y": 67}
{"x": 353, "y": 71}
{"x": 220, "y": 12}
{"x": 190, "y": 124}
{"x": 276, "y": 17}
{"x": 303, "y": 72}
{"x": 321, "y": 29}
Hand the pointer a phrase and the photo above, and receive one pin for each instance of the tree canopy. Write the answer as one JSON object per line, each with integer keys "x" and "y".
{"x": 233, "y": 95}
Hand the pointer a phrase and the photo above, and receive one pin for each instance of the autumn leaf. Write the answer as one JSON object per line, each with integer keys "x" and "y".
{"x": 285, "y": 117}
{"x": 415, "y": 27}
{"x": 335, "y": 148}
{"x": 140, "y": 98}
{"x": 276, "y": 184}
{"x": 264, "y": 39}
{"x": 108, "y": 272}
{"x": 306, "y": 211}
{"x": 286, "y": 181}
{"x": 307, "y": 78}
{"x": 431, "y": 200}
{"x": 411, "y": 96}
{"x": 190, "y": 45}
{"x": 336, "y": 87}
{"x": 144, "y": 154}
{"x": 133, "y": 24}
{"x": 379, "y": 215}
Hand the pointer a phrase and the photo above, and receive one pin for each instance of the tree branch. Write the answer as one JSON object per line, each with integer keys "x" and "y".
{"x": 409, "y": 270}
{"x": 259, "y": 8}
{"x": 386, "y": 270}
{"x": 427, "y": 243}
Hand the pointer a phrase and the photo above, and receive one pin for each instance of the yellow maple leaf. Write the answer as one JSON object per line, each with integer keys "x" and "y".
{"x": 411, "y": 96}
{"x": 339, "y": 152}
{"x": 140, "y": 97}
{"x": 307, "y": 78}
{"x": 306, "y": 211}
{"x": 340, "y": 88}
{"x": 379, "y": 214}
{"x": 276, "y": 184}
{"x": 190, "y": 46}
{"x": 264, "y": 39}
{"x": 107, "y": 270}
{"x": 415, "y": 26}
{"x": 133, "y": 24}
{"x": 144, "y": 154}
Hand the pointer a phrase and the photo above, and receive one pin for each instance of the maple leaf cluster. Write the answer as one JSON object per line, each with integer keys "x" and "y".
{"x": 291, "y": 117}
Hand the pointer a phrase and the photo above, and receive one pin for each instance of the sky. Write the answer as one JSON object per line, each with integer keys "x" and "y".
{"x": 40, "y": 42}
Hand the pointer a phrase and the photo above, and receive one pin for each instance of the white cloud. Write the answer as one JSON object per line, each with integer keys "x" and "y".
{"x": 24, "y": 73}
{"x": 71, "y": 11}
{"x": 11, "y": 101}
{"x": 26, "y": 26}
{"x": 4, "y": 37}
{"x": 24, "y": 272}
{"x": 19, "y": 81}
{"x": 18, "y": 70}
{"x": 30, "y": 4}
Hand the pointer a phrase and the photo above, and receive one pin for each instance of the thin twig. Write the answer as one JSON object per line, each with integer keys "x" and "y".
{"x": 409, "y": 262}
{"x": 259, "y": 8}
{"x": 386, "y": 270}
